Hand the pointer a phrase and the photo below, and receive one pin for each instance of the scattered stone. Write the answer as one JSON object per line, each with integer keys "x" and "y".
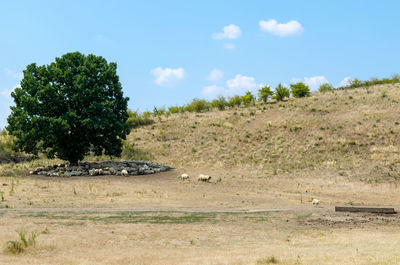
{"x": 112, "y": 171}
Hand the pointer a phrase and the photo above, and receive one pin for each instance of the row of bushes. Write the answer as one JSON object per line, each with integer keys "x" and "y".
{"x": 355, "y": 83}
{"x": 265, "y": 93}
{"x": 201, "y": 105}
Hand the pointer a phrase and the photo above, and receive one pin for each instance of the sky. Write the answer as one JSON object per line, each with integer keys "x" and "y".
{"x": 169, "y": 52}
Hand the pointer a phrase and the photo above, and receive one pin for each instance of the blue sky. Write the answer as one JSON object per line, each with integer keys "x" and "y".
{"x": 169, "y": 52}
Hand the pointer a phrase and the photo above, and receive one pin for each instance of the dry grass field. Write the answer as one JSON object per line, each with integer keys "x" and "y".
{"x": 267, "y": 162}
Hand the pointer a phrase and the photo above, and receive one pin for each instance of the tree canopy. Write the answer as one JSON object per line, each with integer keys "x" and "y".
{"x": 70, "y": 107}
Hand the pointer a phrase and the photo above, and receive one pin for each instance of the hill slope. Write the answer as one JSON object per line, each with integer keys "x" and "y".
{"x": 350, "y": 132}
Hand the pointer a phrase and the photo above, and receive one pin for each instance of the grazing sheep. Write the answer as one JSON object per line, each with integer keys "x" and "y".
{"x": 124, "y": 172}
{"x": 205, "y": 178}
{"x": 184, "y": 176}
{"x": 315, "y": 202}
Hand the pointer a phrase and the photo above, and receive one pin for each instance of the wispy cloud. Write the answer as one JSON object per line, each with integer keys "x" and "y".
{"x": 229, "y": 46}
{"x": 235, "y": 86}
{"x": 281, "y": 29}
{"x": 13, "y": 74}
{"x": 7, "y": 92}
{"x": 230, "y": 32}
{"x": 345, "y": 82}
{"x": 215, "y": 75}
{"x": 167, "y": 76}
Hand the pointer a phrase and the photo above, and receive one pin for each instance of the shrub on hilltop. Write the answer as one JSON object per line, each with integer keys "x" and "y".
{"x": 248, "y": 99}
{"x": 281, "y": 92}
{"x": 265, "y": 93}
{"x": 300, "y": 90}
{"x": 325, "y": 88}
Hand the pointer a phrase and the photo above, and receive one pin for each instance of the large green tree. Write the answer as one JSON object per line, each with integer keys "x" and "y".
{"x": 70, "y": 107}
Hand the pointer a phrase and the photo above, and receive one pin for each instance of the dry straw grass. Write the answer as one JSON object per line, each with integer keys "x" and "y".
{"x": 341, "y": 147}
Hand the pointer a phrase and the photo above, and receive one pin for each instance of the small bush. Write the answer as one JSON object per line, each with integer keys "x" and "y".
{"x": 157, "y": 112}
{"x": 300, "y": 90}
{"x": 269, "y": 260}
{"x": 265, "y": 93}
{"x": 325, "y": 88}
{"x": 248, "y": 99}
{"x": 355, "y": 83}
{"x": 281, "y": 92}
{"x": 234, "y": 101}
{"x": 135, "y": 119}
{"x": 198, "y": 105}
{"x": 219, "y": 103}
{"x": 21, "y": 244}
{"x": 176, "y": 109}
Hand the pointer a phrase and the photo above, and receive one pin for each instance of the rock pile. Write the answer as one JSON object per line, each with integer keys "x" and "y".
{"x": 124, "y": 168}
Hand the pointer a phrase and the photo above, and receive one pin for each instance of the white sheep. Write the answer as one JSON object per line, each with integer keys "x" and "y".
{"x": 124, "y": 172}
{"x": 315, "y": 202}
{"x": 205, "y": 178}
{"x": 184, "y": 176}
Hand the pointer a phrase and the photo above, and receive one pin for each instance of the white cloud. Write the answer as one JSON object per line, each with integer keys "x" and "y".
{"x": 312, "y": 82}
{"x": 239, "y": 85}
{"x": 215, "y": 75}
{"x": 7, "y": 92}
{"x": 13, "y": 74}
{"x": 5, "y": 102}
{"x": 167, "y": 76}
{"x": 229, "y": 32}
{"x": 345, "y": 82}
{"x": 281, "y": 29}
{"x": 213, "y": 91}
{"x": 229, "y": 46}
{"x": 241, "y": 82}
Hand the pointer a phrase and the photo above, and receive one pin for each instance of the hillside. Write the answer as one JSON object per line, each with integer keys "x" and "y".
{"x": 352, "y": 133}
{"x": 267, "y": 162}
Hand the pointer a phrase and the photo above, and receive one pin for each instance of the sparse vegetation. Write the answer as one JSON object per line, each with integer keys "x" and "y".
{"x": 268, "y": 260}
{"x": 135, "y": 119}
{"x": 22, "y": 243}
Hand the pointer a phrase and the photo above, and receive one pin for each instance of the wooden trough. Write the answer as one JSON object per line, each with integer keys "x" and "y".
{"x": 365, "y": 209}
